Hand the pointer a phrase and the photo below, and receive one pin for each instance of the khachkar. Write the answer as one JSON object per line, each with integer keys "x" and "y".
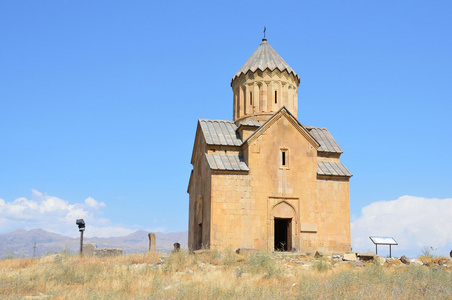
{"x": 151, "y": 242}
{"x": 264, "y": 180}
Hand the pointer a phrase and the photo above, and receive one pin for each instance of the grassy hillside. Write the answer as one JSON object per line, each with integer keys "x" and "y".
{"x": 218, "y": 275}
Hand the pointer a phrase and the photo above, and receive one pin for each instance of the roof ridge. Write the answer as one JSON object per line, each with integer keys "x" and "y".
{"x": 316, "y": 127}
{"x": 216, "y": 120}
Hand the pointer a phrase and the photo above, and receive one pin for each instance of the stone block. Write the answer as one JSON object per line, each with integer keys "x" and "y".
{"x": 380, "y": 260}
{"x": 88, "y": 249}
{"x": 319, "y": 254}
{"x": 405, "y": 260}
{"x": 176, "y": 247}
{"x": 350, "y": 257}
{"x": 152, "y": 241}
{"x": 246, "y": 251}
{"x": 308, "y": 227}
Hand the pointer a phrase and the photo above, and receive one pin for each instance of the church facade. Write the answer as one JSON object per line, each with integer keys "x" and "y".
{"x": 264, "y": 180}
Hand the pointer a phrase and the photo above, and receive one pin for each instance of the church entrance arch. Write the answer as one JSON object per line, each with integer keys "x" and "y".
{"x": 283, "y": 217}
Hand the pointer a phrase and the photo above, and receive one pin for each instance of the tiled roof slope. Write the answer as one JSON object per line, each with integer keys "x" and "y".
{"x": 220, "y": 132}
{"x": 325, "y": 139}
{"x": 265, "y": 57}
{"x": 226, "y": 162}
{"x": 224, "y": 133}
{"x": 332, "y": 168}
{"x": 251, "y": 122}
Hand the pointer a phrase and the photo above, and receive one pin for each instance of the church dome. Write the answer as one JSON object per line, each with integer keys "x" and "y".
{"x": 263, "y": 85}
{"x": 265, "y": 57}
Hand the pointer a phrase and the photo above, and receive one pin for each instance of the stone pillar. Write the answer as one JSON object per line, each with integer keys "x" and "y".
{"x": 151, "y": 242}
{"x": 246, "y": 105}
{"x": 241, "y": 102}
{"x": 256, "y": 100}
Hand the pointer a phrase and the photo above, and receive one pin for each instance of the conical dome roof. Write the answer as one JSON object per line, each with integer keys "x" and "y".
{"x": 265, "y": 57}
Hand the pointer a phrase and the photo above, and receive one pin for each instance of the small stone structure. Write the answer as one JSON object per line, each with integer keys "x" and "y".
{"x": 107, "y": 252}
{"x": 151, "y": 242}
{"x": 246, "y": 251}
{"x": 176, "y": 247}
{"x": 350, "y": 257}
{"x": 90, "y": 250}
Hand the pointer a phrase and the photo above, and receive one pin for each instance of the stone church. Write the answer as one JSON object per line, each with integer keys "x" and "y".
{"x": 264, "y": 180}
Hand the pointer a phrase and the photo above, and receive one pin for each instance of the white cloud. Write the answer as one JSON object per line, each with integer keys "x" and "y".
{"x": 56, "y": 215}
{"x": 93, "y": 203}
{"x": 414, "y": 222}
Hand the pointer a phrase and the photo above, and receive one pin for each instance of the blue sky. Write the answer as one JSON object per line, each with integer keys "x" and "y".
{"x": 99, "y": 100}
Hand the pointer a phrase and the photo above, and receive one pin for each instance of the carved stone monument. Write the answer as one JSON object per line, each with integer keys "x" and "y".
{"x": 151, "y": 242}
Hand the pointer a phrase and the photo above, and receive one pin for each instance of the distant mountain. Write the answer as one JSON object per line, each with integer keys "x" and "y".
{"x": 20, "y": 243}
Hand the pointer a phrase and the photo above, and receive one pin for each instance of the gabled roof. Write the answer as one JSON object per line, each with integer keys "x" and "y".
{"x": 220, "y": 132}
{"x": 283, "y": 111}
{"x": 226, "y": 162}
{"x": 325, "y": 139}
{"x": 265, "y": 57}
{"x": 224, "y": 133}
{"x": 332, "y": 168}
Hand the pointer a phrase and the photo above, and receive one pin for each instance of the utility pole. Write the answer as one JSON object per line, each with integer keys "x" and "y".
{"x": 81, "y": 228}
{"x": 34, "y": 249}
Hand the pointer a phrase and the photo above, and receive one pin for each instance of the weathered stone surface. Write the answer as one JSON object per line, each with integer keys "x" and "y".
{"x": 391, "y": 259}
{"x": 246, "y": 250}
{"x": 107, "y": 252}
{"x": 88, "y": 249}
{"x": 405, "y": 260}
{"x": 380, "y": 260}
{"x": 350, "y": 257}
{"x": 318, "y": 254}
{"x": 425, "y": 262}
{"x": 337, "y": 256}
{"x": 442, "y": 261}
{"x": 416, "y": 262}
{"x": 450, "y": 253}
{"x": 152, "y": 241}
{"x": 176, "y": 247}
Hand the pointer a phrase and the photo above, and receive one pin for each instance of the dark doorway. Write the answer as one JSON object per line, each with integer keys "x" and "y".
{"x": 199, "y": 237}
{"x": 283, "y": 234}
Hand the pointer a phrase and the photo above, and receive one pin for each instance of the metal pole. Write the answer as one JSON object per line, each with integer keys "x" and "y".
{"x": 376, "y": 249}
{"x": 390, "y": 255}
{"x": 81, "y": 242}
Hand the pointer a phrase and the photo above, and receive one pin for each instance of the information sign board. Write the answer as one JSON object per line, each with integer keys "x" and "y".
{"x": 383, "y": 240}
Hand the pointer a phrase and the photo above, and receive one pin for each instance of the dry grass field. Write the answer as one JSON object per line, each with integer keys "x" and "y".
{"x": 215, "y": 275}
